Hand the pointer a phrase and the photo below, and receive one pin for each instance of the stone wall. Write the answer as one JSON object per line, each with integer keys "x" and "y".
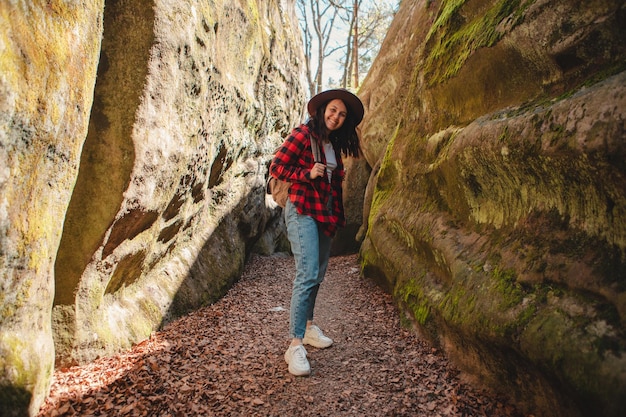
{"x": 134, "y": 143}
{"x": 48, "y": 60}
{"x": 498, "y": 199}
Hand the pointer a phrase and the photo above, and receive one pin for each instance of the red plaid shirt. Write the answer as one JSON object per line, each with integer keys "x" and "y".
{"x": 293, "y": 162}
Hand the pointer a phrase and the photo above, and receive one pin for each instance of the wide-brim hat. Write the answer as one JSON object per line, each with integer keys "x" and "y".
{"x": 351, "y": 100}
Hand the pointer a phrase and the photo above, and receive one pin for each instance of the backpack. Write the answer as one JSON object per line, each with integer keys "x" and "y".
{"x": 279, "y": 190}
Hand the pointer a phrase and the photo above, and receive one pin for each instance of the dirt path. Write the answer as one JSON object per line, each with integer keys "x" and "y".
{"x": 227, "y": 360}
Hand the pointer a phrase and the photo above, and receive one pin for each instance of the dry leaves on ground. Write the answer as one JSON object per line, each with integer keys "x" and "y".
{"x": 227, "y": 360}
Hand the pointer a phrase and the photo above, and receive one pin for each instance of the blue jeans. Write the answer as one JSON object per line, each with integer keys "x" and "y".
{"x": 311, "y": 250}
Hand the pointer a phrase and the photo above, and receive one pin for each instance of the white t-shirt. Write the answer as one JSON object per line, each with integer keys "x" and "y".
{"x": 331, "y": 160}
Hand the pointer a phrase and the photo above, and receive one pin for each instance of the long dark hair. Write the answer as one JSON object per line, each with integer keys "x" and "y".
{"x": 344, "y": 140}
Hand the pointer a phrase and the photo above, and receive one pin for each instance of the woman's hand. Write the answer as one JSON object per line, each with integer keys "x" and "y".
{"x": 318, "y": 170}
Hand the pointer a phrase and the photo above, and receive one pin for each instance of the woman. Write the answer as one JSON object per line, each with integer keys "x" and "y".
{"x": 314, "y": 209}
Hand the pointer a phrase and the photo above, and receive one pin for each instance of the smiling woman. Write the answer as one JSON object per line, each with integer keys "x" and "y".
{"x": 314, "y": 209}
{"x": 335, "y": 114}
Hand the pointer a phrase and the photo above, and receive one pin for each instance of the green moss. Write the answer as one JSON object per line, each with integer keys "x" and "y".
{"x": 452, "y": 38}
{"x": 411, "y": 294}
{"x": 151, "y": 311}
{"x": 526, "y": 315}
{"x": 253, "y": 10}
{"x": 544, "y": 103}
{"x": 379, "y": 198}
{"x": 398, "y": 230}
{"x": 603, "y": 74}
{"x": 448, "y": 10}
{"x": 388, "y": 172}
{"x": 497, "y": 311}
{"x": 555, "y": 340}
{"x": 11, "y": 360}
{"x": 507, "y": 286}
{"x": 370, "y": 265}
{"x": 504, "y": 136}
{"x": 458, "y": 306}
{"x": 11, "y": 305}
{"x": 386, "y": 177}
{"x": 146, "y": 323}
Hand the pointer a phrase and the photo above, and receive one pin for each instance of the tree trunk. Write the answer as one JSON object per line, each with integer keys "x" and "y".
{"x": 355, "y": 44}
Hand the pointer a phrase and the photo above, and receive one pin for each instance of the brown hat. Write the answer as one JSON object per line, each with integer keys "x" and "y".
{"x": 352, "y": 101}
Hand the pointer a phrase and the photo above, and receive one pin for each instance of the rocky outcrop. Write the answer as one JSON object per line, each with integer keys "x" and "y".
{"x": 46, "y": 88}
{"x": 498, "y": 214}
{"x": 119, "y": 215}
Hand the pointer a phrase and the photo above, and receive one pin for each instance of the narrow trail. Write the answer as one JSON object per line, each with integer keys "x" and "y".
{"x": 227, "y": 360}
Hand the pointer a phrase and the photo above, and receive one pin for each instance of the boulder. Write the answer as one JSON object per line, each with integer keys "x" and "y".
{"x": 134, "y": 143}
{"x": 48, "y": 61}
{"x": 170, "y": 195}
{"x": 498, "y": 215}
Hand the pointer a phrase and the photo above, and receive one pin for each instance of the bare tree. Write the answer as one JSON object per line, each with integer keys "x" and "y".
{"x": 367, "y": 29}
{"x": 373, "y": 28}
{"x": 355, "y": 43}
{"x": 351, "y": 61}
{"x": 361, "y": 28}
{"x": 319, "y": 17}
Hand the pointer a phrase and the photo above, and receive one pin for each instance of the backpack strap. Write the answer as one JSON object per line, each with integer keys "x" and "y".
{"x": 316, "y": 149}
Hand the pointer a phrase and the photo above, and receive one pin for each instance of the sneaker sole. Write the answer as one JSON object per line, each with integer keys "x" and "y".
{"x": 316, "y": 344}
{"x": 296, "y": 372}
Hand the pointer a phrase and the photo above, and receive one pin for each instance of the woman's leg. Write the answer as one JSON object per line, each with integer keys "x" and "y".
{"x": 323, "y": 256}
{"x": 304, "y": 238}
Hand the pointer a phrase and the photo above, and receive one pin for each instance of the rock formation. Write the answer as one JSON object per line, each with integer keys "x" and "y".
{"x": 134, "y": 142}
{"x": 46, "y": 89}
{"x": 498, "y": 198}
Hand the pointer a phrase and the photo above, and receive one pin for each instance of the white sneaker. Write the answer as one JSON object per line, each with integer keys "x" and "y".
{"x": 314, "y": 337}
{"x": 295, "y": 357}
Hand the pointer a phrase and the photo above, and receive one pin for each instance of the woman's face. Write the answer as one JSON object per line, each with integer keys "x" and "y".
{"x": 335, "y": 114}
